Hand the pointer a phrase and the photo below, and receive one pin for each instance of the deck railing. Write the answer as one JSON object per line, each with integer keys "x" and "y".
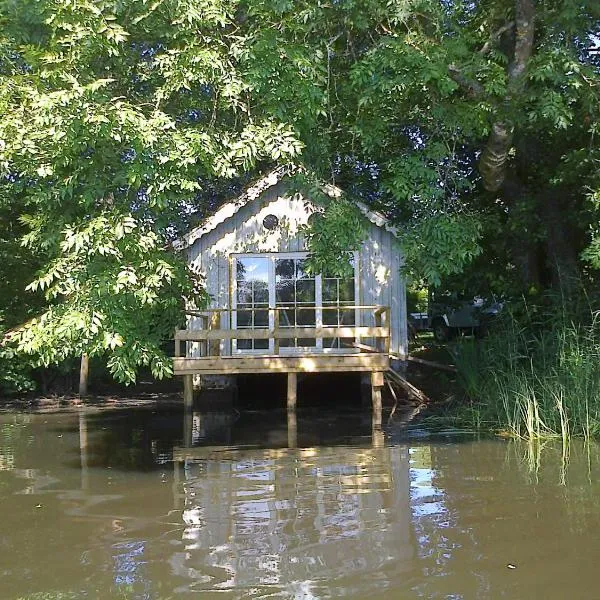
{"x": 215, "y": 328}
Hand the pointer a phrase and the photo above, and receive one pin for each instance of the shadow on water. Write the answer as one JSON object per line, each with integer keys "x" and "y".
{"x": 151, "y": 503}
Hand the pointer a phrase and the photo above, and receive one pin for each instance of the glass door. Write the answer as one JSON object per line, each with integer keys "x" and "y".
{"x": 295, "y": 296}
{"x": 251, "y": 299}
{"x": 304, "y": 301}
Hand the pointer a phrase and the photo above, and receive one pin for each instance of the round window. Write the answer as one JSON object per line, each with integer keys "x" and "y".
{"x": 270, "y": 222}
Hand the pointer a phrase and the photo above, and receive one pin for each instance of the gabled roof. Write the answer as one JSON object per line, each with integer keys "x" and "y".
{"x": 253, "y": 192}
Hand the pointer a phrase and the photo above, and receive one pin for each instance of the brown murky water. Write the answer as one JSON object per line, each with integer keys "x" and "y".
{"x": 110, "y": 505}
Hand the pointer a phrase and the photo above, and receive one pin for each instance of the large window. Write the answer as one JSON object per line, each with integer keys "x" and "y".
{"x": 252, "y": 299}
{"x": 303, "y": 301}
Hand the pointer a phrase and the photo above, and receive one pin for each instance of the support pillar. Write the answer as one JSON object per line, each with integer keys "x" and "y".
{"x": 376, "y": 387}
{"x": 292, "y": 429}
{"x": 292, "y": 390}
{"x": 188, "y": 428}
{"x": 188, "y": 392}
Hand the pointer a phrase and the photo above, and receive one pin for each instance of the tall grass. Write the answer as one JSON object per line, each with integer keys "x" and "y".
{"x": 536, "y": 375}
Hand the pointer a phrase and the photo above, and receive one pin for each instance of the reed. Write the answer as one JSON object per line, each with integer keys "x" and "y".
{"x": 537, "y": 374}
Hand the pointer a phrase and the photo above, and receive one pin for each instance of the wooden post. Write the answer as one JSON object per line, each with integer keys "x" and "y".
{"x": 376, "y": 386}
{"x": 275, "y": 330}
{"x": 84, "y": 373}
{"x": 188, "y": 427}
{"x": 292, "y": 390}
{"x": 188, "y": 392}
{"x": 292, "y": 429}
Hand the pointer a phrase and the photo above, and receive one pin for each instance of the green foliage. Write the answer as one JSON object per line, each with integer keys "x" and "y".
{"x": 537, "y": 374}
{"x": 128, "y": 109}
{"x": 334, "y": 232}
{"x": 113, "y": 115}
{"x": 441, "y": 246}
{"x": 112, "y": 290}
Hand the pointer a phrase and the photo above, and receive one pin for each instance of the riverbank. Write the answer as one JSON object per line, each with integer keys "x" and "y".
{"x": 74, "y": 402}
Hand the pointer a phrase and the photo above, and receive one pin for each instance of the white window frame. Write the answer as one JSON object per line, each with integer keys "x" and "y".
{"x": 272, "y": 256}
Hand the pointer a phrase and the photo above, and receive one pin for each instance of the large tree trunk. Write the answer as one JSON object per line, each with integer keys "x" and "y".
{"x": 560, "y": 253}
{"x": 524, "y": 248}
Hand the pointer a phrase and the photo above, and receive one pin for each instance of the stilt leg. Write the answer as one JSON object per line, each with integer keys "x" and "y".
{"x": 188, "y": 392}
{"x": 376, "y": 386}
{"x": 292, "y": 390}
{"x": 292, "y": 431}
{"x": 188, "y": 427}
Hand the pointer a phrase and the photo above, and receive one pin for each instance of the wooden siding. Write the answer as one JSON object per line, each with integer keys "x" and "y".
{"x": 380, "y": 280}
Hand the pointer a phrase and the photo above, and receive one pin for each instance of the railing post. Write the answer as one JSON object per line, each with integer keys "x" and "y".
{"x": 275, "y": 330}
{"x": 214, "y": 345}
{"x": 177, "y": 344}
{"x": 377, "y": 315}
{"x": 387, "y": 339}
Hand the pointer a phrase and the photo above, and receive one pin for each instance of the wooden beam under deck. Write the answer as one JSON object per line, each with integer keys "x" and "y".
{"x": 306, "y": 363}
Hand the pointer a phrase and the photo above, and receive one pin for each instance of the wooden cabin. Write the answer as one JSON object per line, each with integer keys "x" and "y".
{"x": 268, "y": 314}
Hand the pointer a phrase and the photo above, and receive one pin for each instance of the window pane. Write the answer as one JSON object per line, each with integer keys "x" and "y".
{"x": 261, "y": 292}
{"x": 244, "y": 292}
{"x": 284, "y": 292}
{"x": 244, "y": 344}
{"x": 347, "y": 317}
{"x": 253, "y": 268}
{"x": 330, "y": 290}
{"x": 301, "y": 272}
{"x": 284, "y": 268}
{"x": 287, "y": 318}
{"x": 261, "y": 344}
{"x": 330, "y": 317}
{"x": 261, "y": 318}
{"x": 306, "y": 317}
{"x": 346, "y": 291}
{"x": 307, "y": 342}
{"x": 305, "y": 291}
{"x": 244, "y": 318}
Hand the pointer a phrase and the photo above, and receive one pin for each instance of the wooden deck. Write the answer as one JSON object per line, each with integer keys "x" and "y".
{"x": 361, "y": 349}
{"x": 303, "y": 363}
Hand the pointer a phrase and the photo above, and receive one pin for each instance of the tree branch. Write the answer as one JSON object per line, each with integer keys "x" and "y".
{"x": 495, "y": 36}
{"x": 471, "y": 86}
{"x": 525, "y": 29}
{"x": 494, "y": 157}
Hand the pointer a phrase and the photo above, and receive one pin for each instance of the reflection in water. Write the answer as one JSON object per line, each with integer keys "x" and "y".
{"x": 130, "y": 504}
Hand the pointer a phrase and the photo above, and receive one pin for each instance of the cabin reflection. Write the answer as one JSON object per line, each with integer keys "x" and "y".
{"x": 258, "y": 516}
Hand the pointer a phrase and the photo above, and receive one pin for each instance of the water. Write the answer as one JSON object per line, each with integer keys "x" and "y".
{"x": 109, "y": 504}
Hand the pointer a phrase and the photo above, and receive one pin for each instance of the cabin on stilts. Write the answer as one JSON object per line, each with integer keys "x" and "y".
{"x": 269, "y": 315}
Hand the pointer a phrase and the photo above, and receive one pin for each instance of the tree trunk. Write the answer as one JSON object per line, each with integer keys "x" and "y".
{"x": 560, "y": 253}
{"x": 524, "y": 248}
{"x": 84, "y": 373}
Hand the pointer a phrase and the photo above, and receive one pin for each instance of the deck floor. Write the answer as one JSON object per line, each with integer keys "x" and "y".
{"x": 264, "y": 363}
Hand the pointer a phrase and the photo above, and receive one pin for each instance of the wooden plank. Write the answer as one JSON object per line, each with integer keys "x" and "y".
{"x": 280, "y": 333}
{"x": 363, "y": 307}
{"x": 432, "y": 364}
{"x": 313, "y": 363}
